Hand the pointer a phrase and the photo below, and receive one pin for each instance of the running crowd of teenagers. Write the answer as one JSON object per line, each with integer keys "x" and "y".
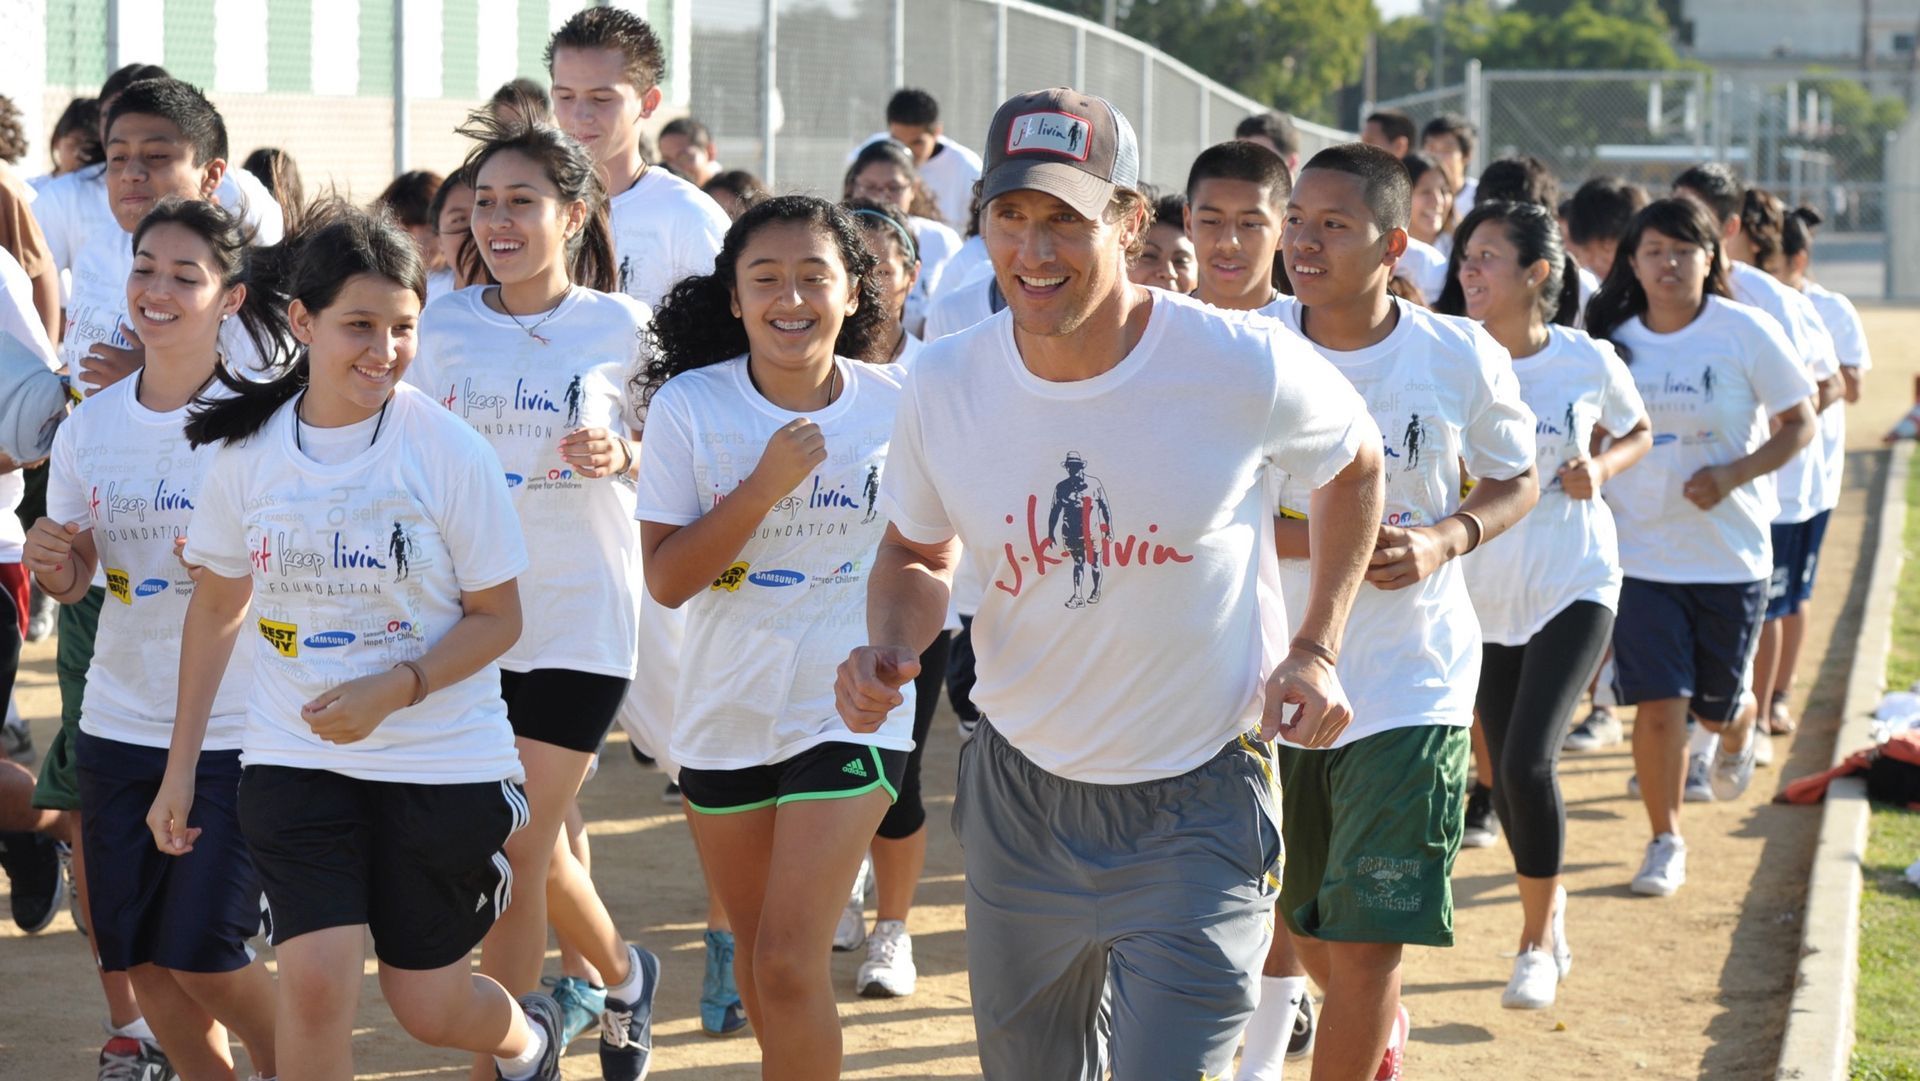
{"x": 1354, "y": 476}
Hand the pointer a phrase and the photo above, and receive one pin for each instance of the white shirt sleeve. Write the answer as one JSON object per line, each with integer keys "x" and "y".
{"x": 633, "y": 409}
{"x": 1849, "y": 336}
{"x": 908, "y": 496}
{"x": 1621, "y": 406}
{"x": 54, "y": 211}
{"x": 1498, "y": 439}
{"x": 66, "y": 493}
{"x": 1809, "y": 335}
{"x": 700, "y": 238}
{"x": 217, "y": 532}
{"x": 1319, "y": 421}
{"x": 667, "y": 491}
{"x": 1779, "y": 379}
{"x": 477, "y": 520}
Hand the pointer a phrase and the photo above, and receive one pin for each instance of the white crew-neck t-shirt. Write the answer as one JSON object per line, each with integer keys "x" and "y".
{"x": 1425, "y": 266}
{"x": 1148, "y": 474}
{"x": 958, "y": 308}
{"x": 1565, "y": 549}
{"x": 1440, "y": 390}
{"x": 764, "y": 642}
{"x": 357, "y": 566}
{"x": 1849, "y": 336}
{"x": 664, "y": 230}
{"x": 127, "y": 473}
{"x": 1710, "y": 389}
{"x": 937, "y": 244}
{"x": 579, "y": 597}
{"x": 1801, "y": 484}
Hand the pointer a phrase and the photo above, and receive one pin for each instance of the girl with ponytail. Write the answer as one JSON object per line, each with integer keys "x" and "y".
{"x": 766, "y": 441}
{"x": 1545, "y": 590}
{"x": 538, "y": 357}
{"x": 361, "y": 541}
{"x": 122, "y": 482}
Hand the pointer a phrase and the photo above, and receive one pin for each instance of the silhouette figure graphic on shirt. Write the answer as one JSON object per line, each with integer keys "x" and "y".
{"x": 399, "y": 546}
{"x": 872, "y": 492}
{"x": 573, "y": 396}
{"x": 1411, "y": 441}
{"x": 1073, "y": 525}
{"x": 626, "y": 271}
{"x": 1706, "y": 382}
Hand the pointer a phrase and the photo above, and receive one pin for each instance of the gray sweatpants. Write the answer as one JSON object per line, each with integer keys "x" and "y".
{"x": 1115, "y": 926}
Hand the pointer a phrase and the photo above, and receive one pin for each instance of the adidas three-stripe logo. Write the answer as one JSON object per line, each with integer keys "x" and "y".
{"x": 857, "y": 767}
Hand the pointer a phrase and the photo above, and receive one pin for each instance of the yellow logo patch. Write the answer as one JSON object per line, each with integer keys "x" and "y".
{"x": 284, "y": 637}
{"x": 120, "y": 584}
{"x": 731, "y": 578}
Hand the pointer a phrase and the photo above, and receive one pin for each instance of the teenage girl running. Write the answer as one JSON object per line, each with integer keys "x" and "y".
{"x": 363, "y": 543}
{"x": 539, "y": 361}
{"x": 759, "y": 451}
{"x": 1546, "y": 590}
{"x": 883, "y": 171}
{"x": 1725, "y": 390}
{"x": 122, "y": 485}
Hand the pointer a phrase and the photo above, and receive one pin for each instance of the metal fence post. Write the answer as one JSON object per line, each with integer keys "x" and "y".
{"x": 400, "y": 125}
{"x": 1476, "y": 108}
{"x": 999, "y": 54}
{"x": 897, "y": 45}
{"x": 1079, "y": 57}
{"x": 769, "y": 89}
{"x": 1146, "y": 114}
{"x": 1889, "y": 220}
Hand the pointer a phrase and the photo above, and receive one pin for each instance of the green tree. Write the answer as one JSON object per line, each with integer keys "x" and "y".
{"x": 1293, "y": 54}
{"x": 1555, "y": 35}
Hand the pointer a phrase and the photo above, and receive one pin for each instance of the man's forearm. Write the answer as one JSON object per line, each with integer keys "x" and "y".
{"x": 907, "y": 594}
{"x": 1342, "y": 526}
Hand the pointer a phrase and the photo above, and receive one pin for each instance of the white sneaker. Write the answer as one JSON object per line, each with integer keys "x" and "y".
{"x": 888, "y": 971}
{"x": 1664, "y": 870}
{"x": 1731, "y": 774}
{"x": 1699, "y": 781}
{"x": 1762, "y": 747}
{"x": 1600, "y": 730}
{"x": 851, "y": 931}
{"x": 1535, "y": 978}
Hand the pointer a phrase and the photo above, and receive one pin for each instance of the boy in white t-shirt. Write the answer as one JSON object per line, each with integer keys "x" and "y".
{"x": 950, "y": 170}
{"x": 1236, "y": 196}
{"x": 1120, "y": 519}
{"x": 1373, "y": 824}
{"x": 606, "y": 65}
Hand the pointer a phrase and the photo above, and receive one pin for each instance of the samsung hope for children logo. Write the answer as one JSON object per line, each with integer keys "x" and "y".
{"x": 1050, "y": 133}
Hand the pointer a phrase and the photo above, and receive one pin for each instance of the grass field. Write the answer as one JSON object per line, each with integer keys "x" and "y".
{"x": 1886, "y": 1045}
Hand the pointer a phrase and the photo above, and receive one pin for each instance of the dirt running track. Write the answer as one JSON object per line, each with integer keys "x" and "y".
{"x": 1692, "y": 986}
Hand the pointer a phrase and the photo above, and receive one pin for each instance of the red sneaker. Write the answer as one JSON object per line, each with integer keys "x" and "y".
{"x": 1396, "y": 1055}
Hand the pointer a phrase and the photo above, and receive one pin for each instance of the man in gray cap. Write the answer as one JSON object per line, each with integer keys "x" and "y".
{"x": 1117, "y": 807}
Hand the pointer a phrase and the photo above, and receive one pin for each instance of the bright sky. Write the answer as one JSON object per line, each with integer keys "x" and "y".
{"x": 1393, "y": 9}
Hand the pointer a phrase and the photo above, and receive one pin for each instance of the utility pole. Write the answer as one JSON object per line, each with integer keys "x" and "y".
{"x": 1866, "y": 35}
{"x": 1111, "y": 16}
{"x": 1439, "y": 78}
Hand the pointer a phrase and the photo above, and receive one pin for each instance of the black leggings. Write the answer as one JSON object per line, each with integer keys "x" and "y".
{"x": 908, "y": 814}
{"x": 1527, "y": 695}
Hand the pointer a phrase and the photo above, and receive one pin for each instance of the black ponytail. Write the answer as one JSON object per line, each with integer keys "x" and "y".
{"x": 336, "y": 243}
{"x": 1535, "y": 236}
{"x": 570, "y": 167}
{"x": 695, "y": 327}
{"x": 1796, "y": 236}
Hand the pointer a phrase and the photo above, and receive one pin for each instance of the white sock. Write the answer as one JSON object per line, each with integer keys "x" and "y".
{"x": 1271, "y": 1028}
{"x": 635, "y": 985}
{"x": 522, "y": 1066}
{"x": 1703, "y": 741}
{"x": 137, "y": 1028}
{"x": 13, "y": 715}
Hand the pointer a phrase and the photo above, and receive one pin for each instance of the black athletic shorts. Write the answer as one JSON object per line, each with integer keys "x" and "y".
{"x": 562, "y": 707}
{"x": 419, "y": 864}
{"x": 826, "y": 771}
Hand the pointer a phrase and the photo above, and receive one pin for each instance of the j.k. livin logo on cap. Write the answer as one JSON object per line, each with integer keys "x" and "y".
{"x": 1050, "y": 133}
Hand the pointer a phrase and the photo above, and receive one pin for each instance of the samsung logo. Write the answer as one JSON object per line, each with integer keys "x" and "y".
{"x": 515, "y": 480}
{"x": 329, "y": 640}
{"x": 151, "y": 586}
{"x": 1664, "y": 438}
{"x": 776, "y": 578}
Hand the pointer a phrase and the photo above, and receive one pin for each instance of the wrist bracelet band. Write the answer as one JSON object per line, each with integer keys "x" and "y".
{"x": 419, "y": 679}
{"x": 1308, "y": 645}
{"x": 1479, "y": 528}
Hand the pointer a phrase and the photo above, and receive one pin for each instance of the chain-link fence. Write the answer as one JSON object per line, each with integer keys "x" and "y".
{"x": 1818, "y": 140}
{"x": 358, "y": 89}
{"x": 833, "y": 67}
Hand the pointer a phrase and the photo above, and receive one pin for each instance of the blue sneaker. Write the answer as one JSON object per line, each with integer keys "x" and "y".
{"x": 626, "y": 1028}
{"x": 580, "y": 1004}
{"x": 721, "y": 1011}
{"x": 545, "y": 1016}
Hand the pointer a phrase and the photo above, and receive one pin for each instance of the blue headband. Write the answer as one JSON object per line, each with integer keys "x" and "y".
{"x": 912, "y": 249}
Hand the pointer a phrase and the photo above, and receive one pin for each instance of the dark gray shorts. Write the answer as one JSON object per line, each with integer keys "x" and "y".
{"x": 1115, "y": 926}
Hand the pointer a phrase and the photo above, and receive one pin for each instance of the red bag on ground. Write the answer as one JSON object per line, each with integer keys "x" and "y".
{"x": 1892, "y": 769}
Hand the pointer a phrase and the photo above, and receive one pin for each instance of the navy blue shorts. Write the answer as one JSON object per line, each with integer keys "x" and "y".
{"x": 1695, "y": 640}
{"x": 1796, "y": 556}
{"x": 191, "y": 913}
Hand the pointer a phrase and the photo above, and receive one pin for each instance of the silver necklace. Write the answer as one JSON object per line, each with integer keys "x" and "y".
{"x": 532, "y": 331}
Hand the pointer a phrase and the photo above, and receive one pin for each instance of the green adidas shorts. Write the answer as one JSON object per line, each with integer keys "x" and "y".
{"x": 58, "y": 788}
{"x": 825, "y": 771}
{"x": 1372, "y": 830}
